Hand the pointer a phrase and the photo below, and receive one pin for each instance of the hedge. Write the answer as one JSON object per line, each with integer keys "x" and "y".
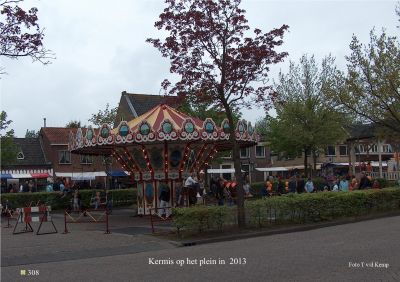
{"x": 120, "y": 197}
{"x": 289, "y": 209}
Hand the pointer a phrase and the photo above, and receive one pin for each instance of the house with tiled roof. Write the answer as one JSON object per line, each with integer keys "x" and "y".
{"x": 92, "y": 170}
{"x": 132, "y": 105}
{"x": 30, "y": 163}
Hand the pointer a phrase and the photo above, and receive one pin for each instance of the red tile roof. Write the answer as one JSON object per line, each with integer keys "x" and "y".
{"x": 57, "y": 135}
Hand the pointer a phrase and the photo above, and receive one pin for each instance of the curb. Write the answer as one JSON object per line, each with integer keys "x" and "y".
{"x": 285, "y": 230}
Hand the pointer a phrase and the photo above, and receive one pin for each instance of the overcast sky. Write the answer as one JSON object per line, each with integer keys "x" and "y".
{"x": 101, "y": 51}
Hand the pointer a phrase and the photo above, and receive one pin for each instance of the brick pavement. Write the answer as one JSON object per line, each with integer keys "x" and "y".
{"x": 316, "y": 255}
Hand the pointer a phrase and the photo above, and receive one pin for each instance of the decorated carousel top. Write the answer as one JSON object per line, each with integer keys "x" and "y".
{"x": 160, "y": 124}
{"x": 162, "y": 143}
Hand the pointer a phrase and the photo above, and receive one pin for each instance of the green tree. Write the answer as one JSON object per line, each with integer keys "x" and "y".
{"x": 203, "y": 110}
{"x": 104, "y": 117}
{"x": 73, "y": 124}
{"x": 8, "y": 148}
{"x": 305, "y": 122}
{"x": 31, "y": 134}
{"x": 371, "y": 89}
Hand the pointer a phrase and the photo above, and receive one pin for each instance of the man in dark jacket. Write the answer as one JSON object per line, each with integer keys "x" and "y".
{"x": 164, "y": 200}
{"x": 300, "y": 185}
{"x": 292, "y": 184}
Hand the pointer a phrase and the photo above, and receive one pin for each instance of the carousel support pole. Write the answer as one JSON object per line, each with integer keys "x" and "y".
{"x": 65, "y": 223}
{"x": 107, "y": 227}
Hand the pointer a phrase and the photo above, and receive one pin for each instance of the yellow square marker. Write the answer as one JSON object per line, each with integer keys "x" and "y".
{"x": 23, "y": 272}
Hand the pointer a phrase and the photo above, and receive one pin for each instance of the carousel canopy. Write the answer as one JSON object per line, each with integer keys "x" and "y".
{"x": 162, "y": 143}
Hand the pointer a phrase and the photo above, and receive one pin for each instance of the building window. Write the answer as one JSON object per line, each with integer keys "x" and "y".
{"x": 374, "y": 148}
{"x": 20, "y": 156}
{"x": 330, "y": 151}
{"x": 246, "y": 167}
{"x": 386, "y": 148}
{"x": 228, "y": 175}
{"x": 64, "y": 157}
{"x": 343, "y": 150}
{"x": 260, "y": 152}
{"x": 86, "y": 159}
{"x": 244, "y": 153}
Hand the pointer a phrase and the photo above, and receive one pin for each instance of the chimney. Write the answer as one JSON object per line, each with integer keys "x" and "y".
{"x": 44, "y": 122}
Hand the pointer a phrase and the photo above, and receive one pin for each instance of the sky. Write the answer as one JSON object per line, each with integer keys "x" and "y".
{"x": 101, "y": 51}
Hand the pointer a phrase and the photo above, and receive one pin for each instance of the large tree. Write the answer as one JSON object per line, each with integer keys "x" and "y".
{"x": 20, "y": 33}
{"x": 218, "y": 59}
{"x": 73, "y": 124}
{"x": 305, "y": 121}
{"x": 31, "y": 133}
{"x": 8, "y": 148}
{"x": 371, "y": 88}
{"x": 104, "y": 117}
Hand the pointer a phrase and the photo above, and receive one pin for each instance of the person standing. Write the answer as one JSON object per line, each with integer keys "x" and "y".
{"x": 31, "y": 186}
{"x": 164, "y": 200}
{"x": 77, "y": 201}
{"x": 344, "y": 184}
{"x": 300, "y": 184}
{"x": 220, "y": 191}
{"x": 292, "y": 184}
{"x": 309, "y": 186}
{"x": 25, "y": 189}
{"x": 192, "y": 186}
{"x": 178, "y": 194}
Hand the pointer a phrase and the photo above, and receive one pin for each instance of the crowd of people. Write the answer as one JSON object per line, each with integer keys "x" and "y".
{"x": 225, "y": 191}
{"x": 301, "y": 184}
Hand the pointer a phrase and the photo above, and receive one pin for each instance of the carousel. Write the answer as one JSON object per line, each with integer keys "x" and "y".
{"x": 160, "y": 149}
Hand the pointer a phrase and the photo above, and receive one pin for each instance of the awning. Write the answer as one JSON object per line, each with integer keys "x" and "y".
{"x": 117, "y": 173}
{"x": 40, "y": 175}
{"x": 6, "y": 176}
{"x": 268, "y": 169}
{"x": 221, "y": 170}
{"x": 374, "y": 164}
{"x": 81, "y": 175}
{"x": 21, "y": 175}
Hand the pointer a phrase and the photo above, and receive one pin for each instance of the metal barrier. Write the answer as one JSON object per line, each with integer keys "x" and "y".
{"x": 87, "y": 216}
{"x": 155, "y": 217}
{"x": 41, "y": 214}
{"x": 11, "y": 214}
{"x": 389, "y": 175}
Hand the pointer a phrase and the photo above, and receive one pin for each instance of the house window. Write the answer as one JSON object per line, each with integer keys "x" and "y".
{"x": 86, "y": 159}
{"x": 246, "y": 167}
{"x": 330, "y": 151}
{"x": 343, "y": 150}
{"x": 20, "y": 156}
{"x": 244, "y": 153}
{"x": 64, "y": 157}
{"x": 260, "y": 152}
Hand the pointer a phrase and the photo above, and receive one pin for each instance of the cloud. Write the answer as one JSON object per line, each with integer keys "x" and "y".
{"x": 101, "y": 51}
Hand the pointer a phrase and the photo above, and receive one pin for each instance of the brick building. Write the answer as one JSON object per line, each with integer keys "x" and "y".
{"x": 29, "y": 164}
{"x": 89, "y": 170}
